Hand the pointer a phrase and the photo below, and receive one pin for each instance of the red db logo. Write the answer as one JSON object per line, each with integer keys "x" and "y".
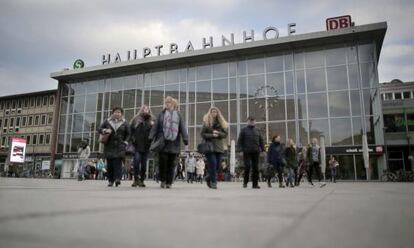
{"x": 338, "y": 22}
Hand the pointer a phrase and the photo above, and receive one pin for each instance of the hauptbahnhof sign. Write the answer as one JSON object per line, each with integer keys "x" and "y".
{"x": 268, "y": 33}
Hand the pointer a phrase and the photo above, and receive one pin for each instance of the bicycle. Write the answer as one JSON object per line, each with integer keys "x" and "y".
{"x": 388, "y": 176}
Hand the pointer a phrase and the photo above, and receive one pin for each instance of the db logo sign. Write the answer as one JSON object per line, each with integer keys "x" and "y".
{"x": 338, "y": 22}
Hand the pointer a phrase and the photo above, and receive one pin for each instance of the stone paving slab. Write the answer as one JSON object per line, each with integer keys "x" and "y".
{"x": 68, "y": 213}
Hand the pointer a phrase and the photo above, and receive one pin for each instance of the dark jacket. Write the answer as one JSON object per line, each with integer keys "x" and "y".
{"x": 118, "y": 140}
{"x": 275, "y": 154}
{"x": 170, "y": 146}
{"x": 291, "y": 157}
{"x": 250, "y": 140}
{"x": 219, "y": 143}
{"x": 140, "y": 136}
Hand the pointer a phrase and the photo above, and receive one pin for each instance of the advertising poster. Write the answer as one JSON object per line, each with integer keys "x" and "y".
{"x": 18, "y": 150}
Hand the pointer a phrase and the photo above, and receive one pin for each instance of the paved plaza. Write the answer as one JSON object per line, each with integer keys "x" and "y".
{"x": 67, "y": 213}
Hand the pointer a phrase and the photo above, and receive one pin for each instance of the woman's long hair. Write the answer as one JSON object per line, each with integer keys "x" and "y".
{"x": 208, "y": 119}
{"x": 172, "y": 100}
{"x": 137, "y": 119}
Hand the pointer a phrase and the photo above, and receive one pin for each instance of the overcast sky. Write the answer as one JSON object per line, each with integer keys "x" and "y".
{"x": 44, "y": 36}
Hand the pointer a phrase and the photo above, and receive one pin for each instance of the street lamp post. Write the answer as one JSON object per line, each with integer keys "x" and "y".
{"x": 386, "y": 149}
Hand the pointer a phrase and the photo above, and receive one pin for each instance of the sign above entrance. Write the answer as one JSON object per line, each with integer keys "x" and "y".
{"x": 338, "y": 22}
{"x": 267, "y": 34}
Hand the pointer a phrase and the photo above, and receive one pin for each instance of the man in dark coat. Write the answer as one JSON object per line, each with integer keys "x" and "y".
{"x": 250, "y": 142}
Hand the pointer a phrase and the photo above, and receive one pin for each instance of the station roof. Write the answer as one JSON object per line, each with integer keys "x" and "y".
{"x": 375, "y": 32}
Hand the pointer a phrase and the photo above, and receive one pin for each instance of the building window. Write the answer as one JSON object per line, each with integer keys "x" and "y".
{"x": 50, "y": 119}
{"x": 1, "y": 105}
{"x": 36, "y": 122}
{"x": 34, "y": 139}
{"x": 1, "y": 122}
{"x": 47, "y": 139}
{"x": 26, "y": 103}
{"x": 28, "y": 139}
{"x": 407, "y": 94}
{"x": 41, "y": 139}
{"x": 19, "y": 104}
{"x": 30, "y": 122}
{"x": 51, "y": 100}
{"x": 394, "y": 123}
{"x": 3, "y": 141}
{"x": 24, "y": 118}
{"x": 397, "y": 95}
{"x": 45, "y": 99}
{"x": 38, "y": 101}
{"x": 17, "y": 121}
{"x": 7, "y": 104}
{"x": 43, "y": 120}
{"x": 13, "y": 104}
{"x": 11, "y": 122}
{"x": 388, "y": 96}
{"x": 6, "y": 122}
{"x": 32, "y": 102}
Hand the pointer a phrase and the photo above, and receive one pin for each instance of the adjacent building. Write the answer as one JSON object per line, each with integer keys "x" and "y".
{"x": 398, "y": 109}
{"x": 322, "y": 84}
{"x": 29, "y": 116}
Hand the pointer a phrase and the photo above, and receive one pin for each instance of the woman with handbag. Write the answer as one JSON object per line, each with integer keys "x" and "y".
{"x": 214, "y": 131}
{"x": 166, "y": 134}
{"x": 117, "y": 130}
{"x": 141, "y": 126}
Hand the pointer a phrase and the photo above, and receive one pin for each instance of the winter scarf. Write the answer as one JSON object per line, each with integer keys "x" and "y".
{"x": 171, "y": 124}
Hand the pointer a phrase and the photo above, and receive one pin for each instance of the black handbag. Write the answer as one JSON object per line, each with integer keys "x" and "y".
{"x": 157, "y": 144}
{"x": 205, "y": 147}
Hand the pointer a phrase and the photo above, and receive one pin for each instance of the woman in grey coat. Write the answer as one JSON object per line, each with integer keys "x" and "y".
{"x": 115, "y": 148}
{"x": 171, "y": 126}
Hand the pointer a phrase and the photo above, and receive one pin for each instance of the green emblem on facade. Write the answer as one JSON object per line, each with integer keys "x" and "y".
{"x": 78, "y": 64}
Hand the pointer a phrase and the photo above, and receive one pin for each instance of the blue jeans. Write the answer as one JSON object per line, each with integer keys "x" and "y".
{"x": 81, "y": 168}
{"x": 213, "y": 162}
{"x": 140, "y": 165}
{"x": 291, "y": 176}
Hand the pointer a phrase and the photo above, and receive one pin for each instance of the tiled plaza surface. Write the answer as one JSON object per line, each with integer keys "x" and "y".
{"x": 67, "y": 213}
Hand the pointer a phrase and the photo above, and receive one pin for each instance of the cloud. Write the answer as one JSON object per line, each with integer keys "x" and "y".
{"x": 45, "y": 36}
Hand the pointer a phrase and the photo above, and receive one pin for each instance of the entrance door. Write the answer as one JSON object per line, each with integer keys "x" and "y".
{"x": 396, "y": 161}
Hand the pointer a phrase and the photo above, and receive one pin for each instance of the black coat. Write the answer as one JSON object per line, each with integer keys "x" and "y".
{"x": 250, "y": 140}
{"x": 118, "y": 140}
{"x": 275, "y": 154}
{"x": 170, "y": 146}
{"x": 140, "y": 136}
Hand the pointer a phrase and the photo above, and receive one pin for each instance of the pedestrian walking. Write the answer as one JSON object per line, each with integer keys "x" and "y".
{"x": 84, "y": 152}
{"x": 275, "y": 157}
{"x": 333, "y": 164}
{"x": 250, "y": 142}
{"x": 291, "y": 162}
{"x": 302, "y": 166}
{"x": 190, "y": 167}
{"x": 141, "y": 126}
{"x": 214, "y": 131}
{"x": 115, "y": 148}
{"x": 170, "y": 128}
{"x": 314, "y": 159}
{"x": 200, "y": 169}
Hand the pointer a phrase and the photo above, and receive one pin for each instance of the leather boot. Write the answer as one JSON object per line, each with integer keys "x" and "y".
{"x": 136, "y": 182}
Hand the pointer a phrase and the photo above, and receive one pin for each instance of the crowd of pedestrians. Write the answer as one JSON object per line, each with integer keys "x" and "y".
{"x": 162, "y": 135}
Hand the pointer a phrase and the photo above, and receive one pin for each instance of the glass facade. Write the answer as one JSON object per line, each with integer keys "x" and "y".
{"x": 300, "y": 94}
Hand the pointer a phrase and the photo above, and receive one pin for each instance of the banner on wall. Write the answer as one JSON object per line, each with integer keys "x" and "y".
{"x": 18, "y": 150}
